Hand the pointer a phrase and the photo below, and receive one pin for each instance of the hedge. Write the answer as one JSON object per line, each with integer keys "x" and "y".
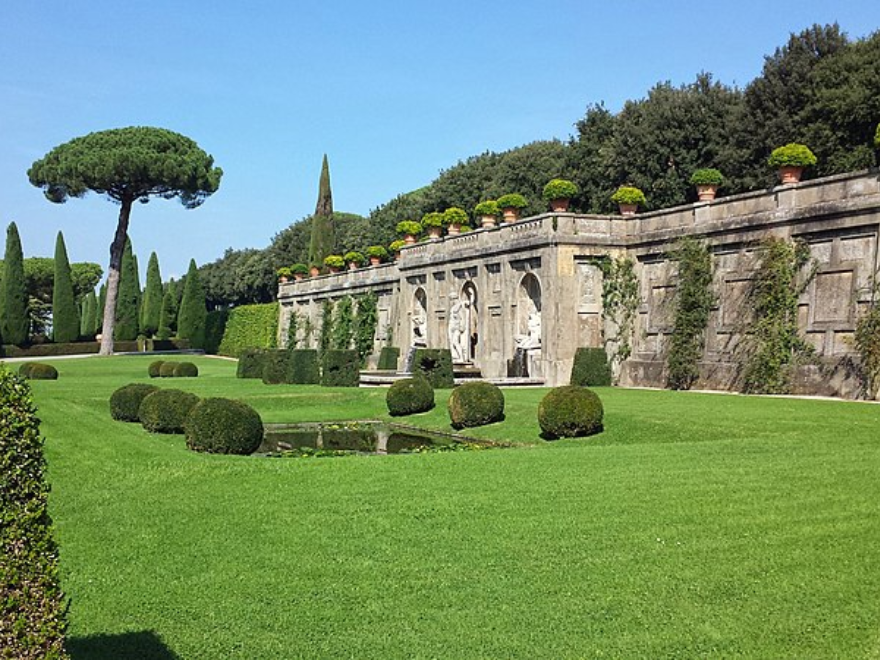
{"x": 186, "y": 370}
{"x": 275, "y": 365}
{"x": 388, "y": 358}
{"x": 475, "y": 404}
{"x": 166, "y": 369}
{"x": 590, "y": 368}
{"x": 570, "y": 411}
{"x": 341, "y": 368}
{"x": 250, "y": 363}
{"x": 164, "y": 411}
{"x": 126, "y": 401}
{"x": 32, "y": 619}
{"x": 223, "y": 426}
{"x": 87, "y": 348}
{"x": 435, "y": 364}
{"x": 302, "y": 367}
{"x": 250, "y": 326}
{"x": 408, "y": 396}
{"x": 215, "y": 326}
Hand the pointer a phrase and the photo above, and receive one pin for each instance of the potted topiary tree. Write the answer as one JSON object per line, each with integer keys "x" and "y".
{"x": 791, "y": 161}
{"x": 628, "y": 198}
{"x": 395, "y": 248}
{"x": 511, "y": 205}
{"x": 410, "y": 230}
{"x": 559, "y": 193}
{"x": 354, "y": 259}
{"x": 284, "y": 274}
{"x": 299, "y": 271}
{"x": 433, "y": 222}
{"x": 377, "y": 254}
{"x": 707, "y": 180}
{"x": 454, "y": 218}
{"x": 488, "y": 212}
{"x": 334, "y": 262}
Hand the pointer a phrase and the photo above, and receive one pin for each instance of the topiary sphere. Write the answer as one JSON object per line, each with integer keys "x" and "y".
{"x": 154, "y": 369}
{"x": 25, "y": 369}
{"x": 570, "y": 412}
{"x": 166, "y": 369}
{"x": 164, "y": 411}
{"x": 39, "y": 371}
{"x": 409, "y": 396}
{"x": 126, "y": 401}
{"x": 223, "y": 426}
{"x": 186, "y": 370}
{"x": 475, "y": 404}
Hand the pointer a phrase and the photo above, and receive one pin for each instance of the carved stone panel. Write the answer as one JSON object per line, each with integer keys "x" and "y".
{"x": 833, "y": 297}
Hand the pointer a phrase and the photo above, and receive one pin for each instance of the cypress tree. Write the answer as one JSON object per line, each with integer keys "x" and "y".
{"x": 323, "y": 231}
{"x": 87, "y": 326}
{"x": 14, "y": 321}
{"x": 191, "y": 318}
{"x": 99, "y": 310}
{"x": 151, "y": 305}
{"x": 168, "y": 314}
{"x": 65, "y": 321}
{"x": 127, "y": 301}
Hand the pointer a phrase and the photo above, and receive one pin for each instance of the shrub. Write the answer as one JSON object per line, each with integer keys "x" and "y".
{"x": 164, "y": 411}
{"x": 396, "y": 245}
{"x": 388, "y": 358}
{"x": 512, "y": 201}
{"x": 186, "y": 370}
{"x": 302, "y": 367}
{"x": 475, "y": 404}
{"x": 707, "y": 176}
{"x": 126, "y": 401}
{"x": 334, "y": 261}
{"x": 32, "y": 623}
{"x": 455, "y": 216}
{"x": 250, "y": 363}
{"x": 284, "y": 271}
{"x": 433, "y": 219}
{"x": 250, "y": 326}
{"x": 275, "y": 366}
{"x": 628, "y": 195}
{"x": 570, "y": 411}
{"x": 377, "y": 251}
{"x": 590, "y": 368}
{"x": 409, "y": 396}
{"x": 489, "y": 207}
{"x": 792, "y": 155}
{"x": 223, "y": 426}
{"x": 354, "y": 256}
{"x": 39, "y": 371}
{"x": 215, "y": 326}
{"x": 435, "y": 364}
{"x": 153, "y": 371}
{"x": 25, "y": 369}
{"x": 409, "y": 227}
{"x": 299, "y": 269}
{"x": 559, "y": 189}
{"x": 166, "y": 370}
{"x": 341, "y": 368}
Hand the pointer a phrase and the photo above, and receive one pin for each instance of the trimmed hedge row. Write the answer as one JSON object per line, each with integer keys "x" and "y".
{"x": 388, "y": 358}
{"x": 164, "y": 411}
{"x": 250, "y": 363}
{"x": 88, "y": 348}
{"x": 341, "y": 368}
{"x": 591, "y": 368}
{"x": 302, "y": 367}
{"x": 248, "y": 327}
{"x": 435, "y": 364}
{"x": 275, "y": 366}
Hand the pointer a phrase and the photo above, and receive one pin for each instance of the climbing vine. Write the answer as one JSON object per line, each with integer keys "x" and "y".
{"x": 693, "y": 302}
{"x": 620, "y": 304}
{"x": 308, "y": 331}
{"x": 292, "y": 330}
{"x": 343, "y": 324}
{"x": 365, "y": 323}
{"x": 326, "y": 335}
{"x": 774, "y": 345}
{"x": 867, "y": 344}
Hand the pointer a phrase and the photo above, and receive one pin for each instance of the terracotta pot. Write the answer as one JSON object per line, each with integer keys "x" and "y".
{"x": 790, "y": 174}
{"x": 560, "y": 205}
{"x": 334, "y": 270}
{"x": 487, "y": 220}
{"x": 435, "y": 232}
{"x": 314, "y": 271}
{"x": 298, "y": 277}
{"x": 453, "y": 230}
{"x": 409, "y": 239}
{"x": 707, "y": 191}
{"x": 628, "y": 209}
{"x": 375, "y": 261}
{"x": 511, "y": 214}
{"x": 352, "y": 265}
{"x": 283, "y": 279}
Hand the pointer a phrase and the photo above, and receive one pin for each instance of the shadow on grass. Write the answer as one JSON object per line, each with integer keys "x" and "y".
{"x": 144, "y": 645}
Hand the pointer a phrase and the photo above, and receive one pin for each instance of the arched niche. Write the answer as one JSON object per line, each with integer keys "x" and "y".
{"x": 419, "y": 318}
{"x": 528, "y": 313}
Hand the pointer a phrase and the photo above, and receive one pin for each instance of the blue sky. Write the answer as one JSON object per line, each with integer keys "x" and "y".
{"x": 393, "y": 92}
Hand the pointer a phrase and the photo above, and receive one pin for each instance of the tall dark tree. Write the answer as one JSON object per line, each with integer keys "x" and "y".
{"x": 168, "y": 314}
{"x": 88, "y": 327}
{"x": 126, "y": 165}
{"x": 151, "y": 304}
{"x": 65, "y": 317}
{"x": 13, "y": 298}
{"x": 99, "y": 311}
{"x": 127, "y": 308}
{"x": 323, "y": 232}
{"x": 191, "y": 318}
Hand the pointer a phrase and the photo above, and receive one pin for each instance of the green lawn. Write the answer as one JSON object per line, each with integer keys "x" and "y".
{"x": 695, "y": 526}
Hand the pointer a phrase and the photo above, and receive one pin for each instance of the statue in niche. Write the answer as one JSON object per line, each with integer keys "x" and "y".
{"x": 532, "y": 338}
{"x": 458, "y": 339}
{"x": 419, "y": 330}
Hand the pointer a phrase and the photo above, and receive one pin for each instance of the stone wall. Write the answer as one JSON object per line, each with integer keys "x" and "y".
{"x": 544, "y": 267}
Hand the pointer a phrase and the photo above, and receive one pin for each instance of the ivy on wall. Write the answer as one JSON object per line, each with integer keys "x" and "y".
{"x": 867, "y": 344}
{"x": 774, "y": 344}
{"x": 693, "y": 302}
{"x": 343, "y": 324}
{"x": 325, "y": 338}
{"x": 620, "y": 304}
{"x": 250, "y": 326}
{"x": 365, "y": 323}
{"x": 293, "y": 331}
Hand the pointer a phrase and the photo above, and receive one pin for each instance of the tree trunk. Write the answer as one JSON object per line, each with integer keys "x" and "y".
{"x": 116, "y": 248}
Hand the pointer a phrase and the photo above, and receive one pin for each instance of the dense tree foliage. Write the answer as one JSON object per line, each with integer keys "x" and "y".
{"x": 13, "y": 295}
{"x": 168, "y": 313}
{"x": 65, "y": 316}
{"x": 192, "y": 314}
{"x": 126, "y": 165}
{"x": 323, "y": 237}
{"x": 151, "y": 302}
{"x": 128, "y": 302}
